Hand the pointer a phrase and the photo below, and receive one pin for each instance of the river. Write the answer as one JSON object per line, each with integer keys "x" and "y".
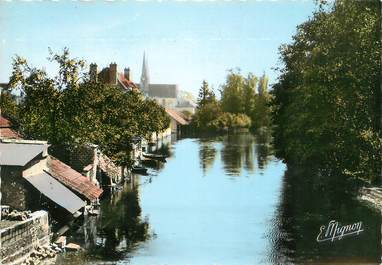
{"x": 224, "y": 200}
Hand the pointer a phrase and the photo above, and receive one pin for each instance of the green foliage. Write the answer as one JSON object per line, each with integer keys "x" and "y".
{"x": 230, "y": 121}
{"x": 261, "y": 112}
{"x": 240, "y": 106}
{"x": 69, "y": 109}
{"x": 206, "y": 95}
{"x": 232, "y": 93}
{"x": 326, "y": 107}
{"x": 249, "y": 94}
{"x": 8, "y": 104}
{"x": 263, "y": 85}
{"x": 205, "y": 115}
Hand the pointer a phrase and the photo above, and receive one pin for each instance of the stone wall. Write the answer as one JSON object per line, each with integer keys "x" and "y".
{"x": 19, "y": 240}
{"x": 16, "y": 191}
{"x": 13, "y": 188}
{"x": 75, "y": 157}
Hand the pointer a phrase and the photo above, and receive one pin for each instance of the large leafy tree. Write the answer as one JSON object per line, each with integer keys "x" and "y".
{"x": 249, "y": 94}
{"x": 326, "y": 108}
{"x": 70, "y": 109}
{"x": 232, "y": 92}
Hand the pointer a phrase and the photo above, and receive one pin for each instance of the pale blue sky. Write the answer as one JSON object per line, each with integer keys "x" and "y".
{"x": 186, "y": 42}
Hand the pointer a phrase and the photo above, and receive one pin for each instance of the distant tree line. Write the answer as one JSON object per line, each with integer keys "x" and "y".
{"x": 244, "y": 104}
{"x": 326, "y": 103}
{"x": 70, "y": 109}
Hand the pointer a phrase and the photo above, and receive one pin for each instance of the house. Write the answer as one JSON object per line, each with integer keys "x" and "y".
{"x": 74, "y": 180}
{"x": 110, "y": 75}
{"x": 177, "y": 121}
{"x": 7, "y": 130}
{"x": 29, "y": 171}
{"x": 93, "y": 164}
{"x": 25, "y": 177}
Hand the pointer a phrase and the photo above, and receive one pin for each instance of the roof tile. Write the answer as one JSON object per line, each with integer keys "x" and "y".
{"x": 73, "y": 179}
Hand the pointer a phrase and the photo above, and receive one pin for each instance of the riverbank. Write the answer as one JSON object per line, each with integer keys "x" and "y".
{"x": 372, "y": 196}
{"x": 227, "y": 200}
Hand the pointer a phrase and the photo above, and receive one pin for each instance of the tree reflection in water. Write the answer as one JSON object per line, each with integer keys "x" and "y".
{"x": 207, "y": 154}
{"x": 264, "y": 148}
{"x": 119, "y": 229}
{"x": 238, "y": 152}
{"x": 307, "y": 202}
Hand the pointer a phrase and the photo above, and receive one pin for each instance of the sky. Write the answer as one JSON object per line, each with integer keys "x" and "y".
{"x": 185, "y": 41}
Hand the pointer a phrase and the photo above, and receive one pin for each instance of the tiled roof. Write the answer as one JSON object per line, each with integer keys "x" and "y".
{"x": 177, "y": 116}
{"x": 73, "y": 179}
{"x": 108, "y": 166}
{"x": 126, "y": 83}
{"x": 8, "y": 133}
{"x": 4, "y": 123}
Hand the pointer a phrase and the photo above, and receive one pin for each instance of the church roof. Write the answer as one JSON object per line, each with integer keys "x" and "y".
{"x": 163, "y": 90}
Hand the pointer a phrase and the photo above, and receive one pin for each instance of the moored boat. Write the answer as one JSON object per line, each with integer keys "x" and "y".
{"x": 154, "y": 156}
{"x": 139, "y": 169}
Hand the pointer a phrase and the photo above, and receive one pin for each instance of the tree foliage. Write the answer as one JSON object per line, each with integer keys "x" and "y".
{"x": 206, "y": 95}
{"x": 240, "y": 106}
{"x": 69, "y": 109}
{"x": 326, "y": 106}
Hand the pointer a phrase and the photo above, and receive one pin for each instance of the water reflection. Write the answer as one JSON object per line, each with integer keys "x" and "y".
{"x": 116, "y": 231}
{"x": 207, "y": 154}
{"x": 270, "y": 216}
{"x": 239, "y": 150}
{"x": 264, "y": 148}
{"x": 307, "y": 202}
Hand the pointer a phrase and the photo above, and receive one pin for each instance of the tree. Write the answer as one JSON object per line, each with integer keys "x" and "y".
{"x": 325, "y": 104}
{"x": 231, "y": 93}
{"x": 249, "y": 94}
{"x": 70, "y": 110}
{"x": 8, "y": 104}
{"x": 206, "y": 95}
{"x": 205, "y": 115}
{"x": 263, "y": 85}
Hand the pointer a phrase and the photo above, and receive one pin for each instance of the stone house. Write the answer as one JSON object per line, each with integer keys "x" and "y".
{"x": 25, "y": 177}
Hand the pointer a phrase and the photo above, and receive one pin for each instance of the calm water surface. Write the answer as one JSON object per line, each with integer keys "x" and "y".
{"x": 224, "y": 200}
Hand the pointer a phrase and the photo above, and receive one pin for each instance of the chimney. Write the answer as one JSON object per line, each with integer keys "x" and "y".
{"x": 113, "y": 73}
{"x": 126, "y": 73}
{"x": 93, "y": 73}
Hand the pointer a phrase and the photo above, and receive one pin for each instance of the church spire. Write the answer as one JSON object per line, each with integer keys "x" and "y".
{"x": 145, "y": 79}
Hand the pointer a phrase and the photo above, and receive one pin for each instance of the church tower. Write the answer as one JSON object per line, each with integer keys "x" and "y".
{"x": 145, "y": 79}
